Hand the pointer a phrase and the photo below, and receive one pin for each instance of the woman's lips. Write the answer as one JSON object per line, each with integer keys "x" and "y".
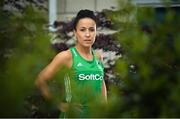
{"x": 87, "y": 40}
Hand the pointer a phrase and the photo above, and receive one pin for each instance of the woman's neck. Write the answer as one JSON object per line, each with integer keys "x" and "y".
{"x": 85, "y": 52}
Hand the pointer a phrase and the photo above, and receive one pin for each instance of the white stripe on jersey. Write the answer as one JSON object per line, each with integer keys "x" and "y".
{"x": 67, "y": 88}
{"x": 74, "y": 52}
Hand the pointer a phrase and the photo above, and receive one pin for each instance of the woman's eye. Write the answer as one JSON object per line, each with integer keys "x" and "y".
{"x": 82, "y": 29}
{"x": 91, "y": 30}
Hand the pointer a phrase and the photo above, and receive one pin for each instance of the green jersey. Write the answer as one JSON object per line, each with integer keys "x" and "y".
{"x": 88, "y": 78}
{"x": 86, "y": 84}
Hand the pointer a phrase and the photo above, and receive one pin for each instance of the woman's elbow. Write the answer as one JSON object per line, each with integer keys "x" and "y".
{"x": 39, "y": 81}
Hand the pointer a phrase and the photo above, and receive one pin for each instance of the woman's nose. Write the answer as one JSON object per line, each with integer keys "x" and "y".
{"x": 87, "y": 33}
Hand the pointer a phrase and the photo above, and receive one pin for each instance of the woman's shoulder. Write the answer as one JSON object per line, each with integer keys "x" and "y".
{"x": 99, "y": 55}
{"x": 64, "y": 57}
{"x": 65, "y": 54}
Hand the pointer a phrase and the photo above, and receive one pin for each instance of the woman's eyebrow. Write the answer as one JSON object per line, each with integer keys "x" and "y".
{"x": 86, "y": 27}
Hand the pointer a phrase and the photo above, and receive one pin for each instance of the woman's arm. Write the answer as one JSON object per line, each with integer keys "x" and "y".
{"x": 104, "y": 90}
{"x": 62, "y": 59}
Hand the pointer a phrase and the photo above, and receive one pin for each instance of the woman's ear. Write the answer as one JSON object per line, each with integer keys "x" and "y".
{"x": 75, "y": 38}
{"x": 74, "y": 31}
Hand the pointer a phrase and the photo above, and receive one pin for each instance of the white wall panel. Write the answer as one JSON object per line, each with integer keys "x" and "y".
{"x": 76, "y": 5}
{"x": 106, "y": 4}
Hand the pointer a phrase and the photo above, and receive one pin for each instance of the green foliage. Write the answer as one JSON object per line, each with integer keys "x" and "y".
{"x": 24, "y": 50}
{"x": 124, "y": 16}
{"x": 149, "y": 68}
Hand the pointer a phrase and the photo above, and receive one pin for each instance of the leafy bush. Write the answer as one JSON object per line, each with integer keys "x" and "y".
{"x": 24, "y": 50}
{"x": 149, "y": 67}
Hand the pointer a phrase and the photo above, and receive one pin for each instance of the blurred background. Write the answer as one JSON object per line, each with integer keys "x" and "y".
{"x": 139, "y": 40}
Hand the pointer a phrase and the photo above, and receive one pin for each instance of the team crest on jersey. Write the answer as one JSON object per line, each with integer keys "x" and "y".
{"x": 79, "y": 64}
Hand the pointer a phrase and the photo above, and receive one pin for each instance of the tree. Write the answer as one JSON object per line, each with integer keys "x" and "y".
{"x": 23, "y": 50}
{"x": 149, "y": 67}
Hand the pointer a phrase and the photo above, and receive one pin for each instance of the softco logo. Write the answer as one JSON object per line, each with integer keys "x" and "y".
{"x": 90, "y": 77}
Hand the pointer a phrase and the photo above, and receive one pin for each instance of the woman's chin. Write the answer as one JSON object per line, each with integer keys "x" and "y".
{"x": 87, "y": 45}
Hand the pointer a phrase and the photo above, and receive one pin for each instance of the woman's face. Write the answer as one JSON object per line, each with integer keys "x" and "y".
{"x": 85, "y": 32}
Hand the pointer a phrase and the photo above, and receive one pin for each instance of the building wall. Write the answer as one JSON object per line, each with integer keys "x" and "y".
{"x": 66, "y": 9}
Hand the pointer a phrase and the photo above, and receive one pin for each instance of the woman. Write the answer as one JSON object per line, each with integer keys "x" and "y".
{"x": 88, "y": 84}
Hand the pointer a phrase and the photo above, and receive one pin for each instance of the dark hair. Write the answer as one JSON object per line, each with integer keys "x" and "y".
{"x": 83, "y": 14}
